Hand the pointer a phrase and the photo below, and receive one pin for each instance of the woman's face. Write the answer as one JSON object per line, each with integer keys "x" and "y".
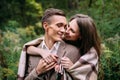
{"x": 72, "y": 32}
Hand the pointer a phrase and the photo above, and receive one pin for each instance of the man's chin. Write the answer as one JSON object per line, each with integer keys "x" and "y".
{"x": 59, "y": 39}
{"x": 67, "y": 39}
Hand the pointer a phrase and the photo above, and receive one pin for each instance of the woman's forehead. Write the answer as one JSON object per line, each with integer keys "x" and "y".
{"x": 73, "y": 24}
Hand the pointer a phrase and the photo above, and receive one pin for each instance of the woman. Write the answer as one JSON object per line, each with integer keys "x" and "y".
{"x": 88, "y": 42}
{"x": 82, "y": 33}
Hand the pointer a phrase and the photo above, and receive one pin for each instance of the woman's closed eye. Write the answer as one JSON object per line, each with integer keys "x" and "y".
{"x": 72, "y": 30}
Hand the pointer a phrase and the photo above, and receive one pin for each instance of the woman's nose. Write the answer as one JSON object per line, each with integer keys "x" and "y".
{"x": 67, "y": 30}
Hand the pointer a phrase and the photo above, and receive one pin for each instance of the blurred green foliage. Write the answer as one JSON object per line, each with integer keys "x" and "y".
{"x": 20, "y": 22}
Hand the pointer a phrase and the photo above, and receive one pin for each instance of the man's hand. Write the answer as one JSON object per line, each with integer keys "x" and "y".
{"x": 46, "y": 64}
{"x": 43, "y": 66}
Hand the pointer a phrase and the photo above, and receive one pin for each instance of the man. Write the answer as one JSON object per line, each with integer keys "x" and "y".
{"x": 54, "y": 23}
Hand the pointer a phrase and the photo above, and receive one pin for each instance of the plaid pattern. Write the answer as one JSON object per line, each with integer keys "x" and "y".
{"x": 86, "y": 68}
{"x": 22, "y": 61}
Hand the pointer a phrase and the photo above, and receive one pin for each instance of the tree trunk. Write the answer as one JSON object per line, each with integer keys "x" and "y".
{"x": 22, "y": 8}
{"x": 90, "y": 3}
{"x": 73, "y": 4}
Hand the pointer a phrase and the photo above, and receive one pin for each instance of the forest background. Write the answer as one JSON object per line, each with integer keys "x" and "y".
{"x": 20, "y": 23}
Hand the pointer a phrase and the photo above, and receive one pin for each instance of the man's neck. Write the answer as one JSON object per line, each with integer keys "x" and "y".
{"x": 49, "y": 42}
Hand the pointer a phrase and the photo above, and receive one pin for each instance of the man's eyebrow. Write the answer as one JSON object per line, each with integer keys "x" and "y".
{"x": 59, "y": 23}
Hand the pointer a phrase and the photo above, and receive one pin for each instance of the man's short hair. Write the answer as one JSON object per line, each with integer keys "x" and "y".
{"x": 50, "y": 12}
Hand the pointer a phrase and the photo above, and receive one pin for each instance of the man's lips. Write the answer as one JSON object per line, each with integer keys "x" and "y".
{"x": 60, "y": 34}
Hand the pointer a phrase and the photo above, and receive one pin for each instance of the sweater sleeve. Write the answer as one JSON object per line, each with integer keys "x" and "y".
{"x": 32, "y": 75}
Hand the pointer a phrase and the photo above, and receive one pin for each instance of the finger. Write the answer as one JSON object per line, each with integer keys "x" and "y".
{"x": 65, "y": 58}
{"x": 65, "y": 66}
{"x": 50, "y": 67}
{"x": 53, "y": 57}
{"x": 44, "y": 63}
{"x": 47, "y": 60}
{"x": 51, "y": 64}
{"x": 41, "y": 63}
{"x": 50, "y": 58}
{"x": 57, "y": 68}
{"x": 65, "y": 62}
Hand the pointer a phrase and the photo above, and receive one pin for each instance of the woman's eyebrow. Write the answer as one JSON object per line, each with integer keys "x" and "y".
{"x": 68, "y": 25}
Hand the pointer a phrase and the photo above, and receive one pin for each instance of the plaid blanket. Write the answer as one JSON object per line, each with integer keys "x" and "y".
{"x": 86, "y": 68}
{"x": 22, "y": 60}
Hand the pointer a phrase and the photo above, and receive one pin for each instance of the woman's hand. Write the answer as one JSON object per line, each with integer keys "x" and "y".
{"x": 51, "y": 58}
{"x": 57, "y": 68}
{"x": 66, "y": 62}
{"x": 32, "y": 50}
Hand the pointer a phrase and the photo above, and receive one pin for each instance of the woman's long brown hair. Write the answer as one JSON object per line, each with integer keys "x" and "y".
{"x": 88, "y": 34}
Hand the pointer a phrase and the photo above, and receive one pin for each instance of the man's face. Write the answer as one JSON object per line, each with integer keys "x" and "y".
{"x": 56, "y": 27}
{"x": 72, "y": 32}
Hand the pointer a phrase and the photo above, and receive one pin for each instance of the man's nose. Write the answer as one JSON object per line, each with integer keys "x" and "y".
{"x": 62, "y": 29}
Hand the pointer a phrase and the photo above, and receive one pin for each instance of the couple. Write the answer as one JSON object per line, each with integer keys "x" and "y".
{"x": 51, "y": 58}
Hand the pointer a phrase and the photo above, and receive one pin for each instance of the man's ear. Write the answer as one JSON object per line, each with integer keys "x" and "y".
{"x": 45, "y": 25}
